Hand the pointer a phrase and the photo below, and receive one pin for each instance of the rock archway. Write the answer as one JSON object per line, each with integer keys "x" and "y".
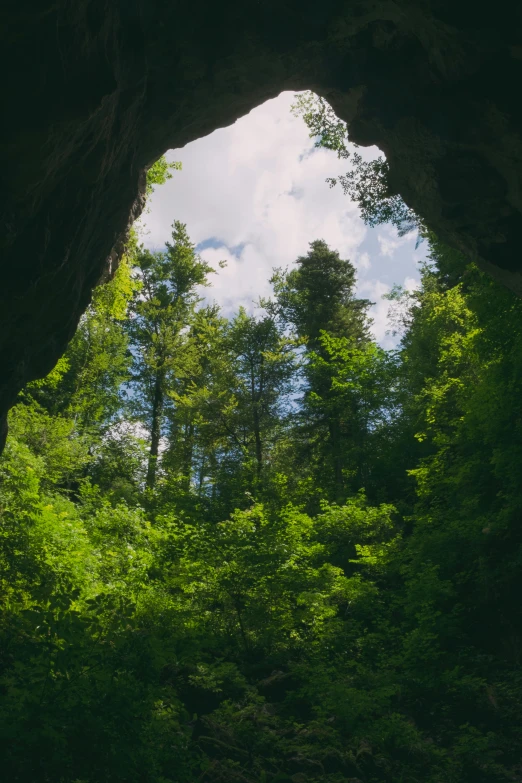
{"x": 98, "y": 89}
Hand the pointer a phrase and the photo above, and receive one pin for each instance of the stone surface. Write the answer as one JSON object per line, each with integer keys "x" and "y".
{"x": 94, "y": 91}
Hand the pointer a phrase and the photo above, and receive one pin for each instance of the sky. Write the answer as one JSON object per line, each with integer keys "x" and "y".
{"x": 254, "y": 194}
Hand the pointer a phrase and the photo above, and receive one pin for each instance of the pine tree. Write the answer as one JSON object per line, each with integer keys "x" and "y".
{"x": 317, "y": 300}
{"x": 161, "y": 312}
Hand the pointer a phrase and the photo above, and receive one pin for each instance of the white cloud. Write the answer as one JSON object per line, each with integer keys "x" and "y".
{"x": 241, "y": 282}
{"x": 246, "y": 185}
{"x": 411, "y": 284}
{"x": 363, "y": 262}
{"x": 389, "y": 240}
{"x": 255, "y": 194}
{"x": 374, "y": 290}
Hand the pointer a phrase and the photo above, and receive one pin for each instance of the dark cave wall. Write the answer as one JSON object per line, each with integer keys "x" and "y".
{"x": 97, "y": 90}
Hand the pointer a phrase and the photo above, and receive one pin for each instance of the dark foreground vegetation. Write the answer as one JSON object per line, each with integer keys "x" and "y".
{"x": 263, "y": 549}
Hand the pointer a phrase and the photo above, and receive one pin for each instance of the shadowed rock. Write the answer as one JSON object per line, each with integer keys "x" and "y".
{"x": 96, "y": 91}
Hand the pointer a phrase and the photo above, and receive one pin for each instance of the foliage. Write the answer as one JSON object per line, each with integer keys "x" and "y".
{"x": 160, "y": 171}
{"x": 162, "y": 307}
{"x": 316, "y": 300}
{"x": 368, "y": 182}
{"x": 322, "y": 582}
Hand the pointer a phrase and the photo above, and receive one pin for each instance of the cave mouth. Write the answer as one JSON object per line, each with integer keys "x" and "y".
{"x": 254, "y": 194}
{"x": 124, "y": 630}
{"x": 96, "y": 96}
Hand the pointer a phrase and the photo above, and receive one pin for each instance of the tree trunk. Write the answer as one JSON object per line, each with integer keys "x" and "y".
{"x": 188, "y": 449}
{"x": 336, "y": 442}
{"x": 201, "y": 477}
{"x": 155, "y": 435}
{"x": 259, "y": 444}
{"x": 256, "y": 400}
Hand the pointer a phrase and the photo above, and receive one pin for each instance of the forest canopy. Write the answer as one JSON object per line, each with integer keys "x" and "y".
{"x": 261, "y": 548}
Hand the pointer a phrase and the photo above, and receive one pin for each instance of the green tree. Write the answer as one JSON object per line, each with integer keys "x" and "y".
{"x": 232, "y": 400}
{"x": 85, "y": 385}
{"x": 316, "y": 299}
{"x": 264, "y": 365}
{"x": 196, "y": 391}
{"x": 160, "y": 171}
{"x": 240, "y": 627}
{"x": 367, "y": 183}
{"x": 161, "y": 311}
{"x": 360, "y": 396}
{"x": 318, "y": 295}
